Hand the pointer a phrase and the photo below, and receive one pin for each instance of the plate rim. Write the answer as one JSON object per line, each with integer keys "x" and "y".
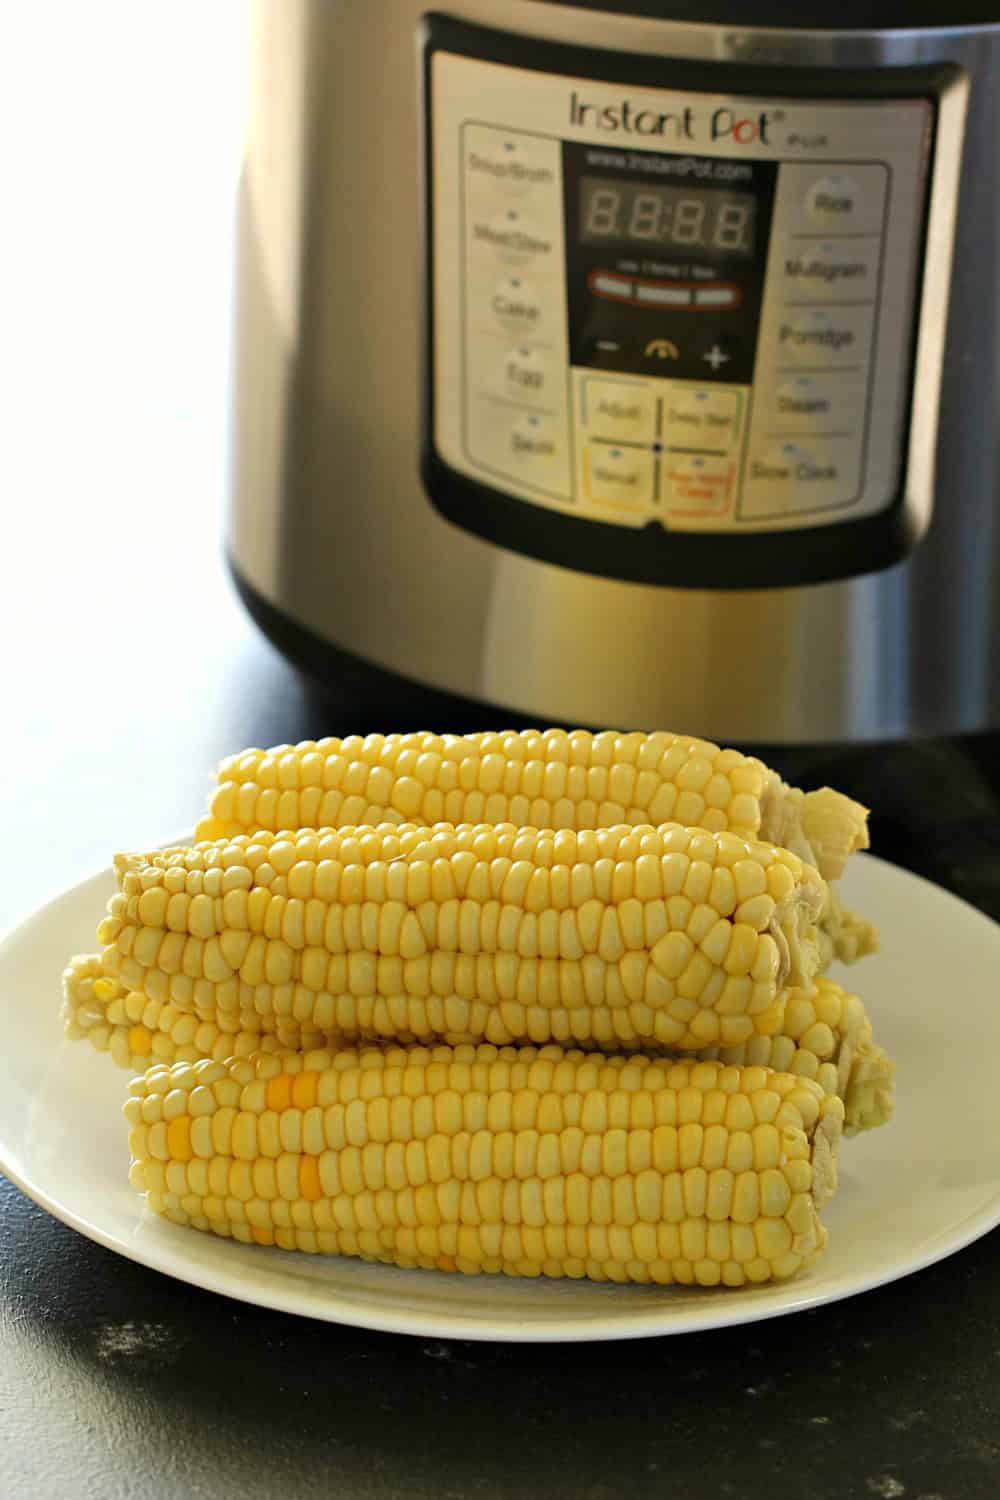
{"x": 719, "y": 1309}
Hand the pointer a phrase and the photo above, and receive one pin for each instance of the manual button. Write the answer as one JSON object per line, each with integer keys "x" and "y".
{"x": 619, "y": 409}
{"x": 619, "y": 476}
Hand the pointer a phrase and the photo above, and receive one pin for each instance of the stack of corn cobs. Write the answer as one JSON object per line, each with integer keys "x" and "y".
{"x": 540, "y": 1003}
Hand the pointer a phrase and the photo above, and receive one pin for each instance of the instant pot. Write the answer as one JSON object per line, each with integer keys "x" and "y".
{"x": 630, "y": 363}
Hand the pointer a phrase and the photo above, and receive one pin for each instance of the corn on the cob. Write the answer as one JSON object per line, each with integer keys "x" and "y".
{"x": 844, "y": 935}
{"x": 477, "y": 1159}
{"x": 826, "y": 1037}
{"x": 549, "y": 779}
{"x": 623, "y": 936}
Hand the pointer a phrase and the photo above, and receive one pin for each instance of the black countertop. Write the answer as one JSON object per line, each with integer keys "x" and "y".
{"x": 116, "y": 1380}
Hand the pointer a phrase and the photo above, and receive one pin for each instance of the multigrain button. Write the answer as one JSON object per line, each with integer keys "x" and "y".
{"x": 619, "y": 476}
{"x": 830, "y": 270}
{"x": 619, "y": 409}
{"x": 516, "y": 305}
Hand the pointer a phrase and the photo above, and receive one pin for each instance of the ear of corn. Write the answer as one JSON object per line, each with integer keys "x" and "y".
{"x": 524, "y": 1161}
{"x": 826, "y": 1037}
{"x": 619, "y": 937}
{"x": 844, "y": 935}
{"x": 551, "y": 779}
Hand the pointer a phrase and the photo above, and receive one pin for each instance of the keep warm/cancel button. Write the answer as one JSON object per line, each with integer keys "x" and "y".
{"x": 782, "y": 478}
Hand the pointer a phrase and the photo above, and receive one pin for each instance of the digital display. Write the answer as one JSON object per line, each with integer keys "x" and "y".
{"x": 634, "y": 215}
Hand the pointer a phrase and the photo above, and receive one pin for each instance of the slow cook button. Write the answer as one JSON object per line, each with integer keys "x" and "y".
{"x": 825, "y": 337}
{"x": 507, "y": 165}
{"x": 525, "y": 374}
{"x": 619, "y": 409}
{"x": 619, "y": 476}
{"x": 516, "y": 305}
{"x": 514, "y": 238}
{"x": 798, "y": 476}
{"x": 701, "y": 418}
{"x": 696, "y": 484}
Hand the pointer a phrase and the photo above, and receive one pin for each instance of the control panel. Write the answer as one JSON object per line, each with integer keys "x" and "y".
{"x": 691, "y": 311}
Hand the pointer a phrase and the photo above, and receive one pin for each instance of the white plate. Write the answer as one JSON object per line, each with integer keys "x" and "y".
{"x": 910, "y": 1193}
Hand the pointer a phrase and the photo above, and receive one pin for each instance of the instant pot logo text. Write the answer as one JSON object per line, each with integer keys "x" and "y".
{"x": 686, "y": 124}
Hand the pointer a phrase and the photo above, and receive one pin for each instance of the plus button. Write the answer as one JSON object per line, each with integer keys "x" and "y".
{"x": 716, "y": 357}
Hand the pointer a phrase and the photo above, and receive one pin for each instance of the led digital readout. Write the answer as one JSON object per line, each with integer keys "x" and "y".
{"x": 707, "y": 221}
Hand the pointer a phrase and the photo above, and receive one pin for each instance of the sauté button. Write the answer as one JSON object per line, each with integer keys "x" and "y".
{"x": 535, "y": 443}
{"x": 619, "y": 476}
{"x": 619, "y": 409}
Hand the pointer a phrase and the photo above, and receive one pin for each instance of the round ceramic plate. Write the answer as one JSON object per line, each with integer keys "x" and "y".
{"x": 909, "y": 1194}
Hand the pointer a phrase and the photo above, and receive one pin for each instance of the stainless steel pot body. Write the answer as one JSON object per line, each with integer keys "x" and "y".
{"x": 329, "y": 522}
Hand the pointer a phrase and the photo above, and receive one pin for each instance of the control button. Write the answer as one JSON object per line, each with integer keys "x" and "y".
{"x": 663, "y": 296}
{"x": 619, "y": 409}
{"x": 619, "y": 476}
{"x": 696, "y": 484}
{"x": 507, "y": 164}
{"x": 701, "y": 418}
{"x": 516, "y": 305}
{"x": 830, "y": 270}
{"x": 606, "y": 285}
{"x": 783, "y": 477}
{"x": 815, "y": 403}
{"x": 525, "y": 374}
{"x": 716, "y": 296}
{"x": 716, "y": 356}
{"x": 535, "y": 444}
{"x": 825, "y": 337}
{"x": 514, "y": 238}
{"x": 816, "y": 201}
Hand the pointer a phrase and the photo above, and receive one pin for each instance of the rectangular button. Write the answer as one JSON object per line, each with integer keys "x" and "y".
{"x": 802, "y": 474}
{"x": 824, "y": 338}
{"x": 830, "y": 199}
{"x": 619, "y": 476}
{"x": 696, "y": 484}
{"x": 810, "y": 404}
{"x": 828, "y": 270}
{"x": 611, "y": 286}
{"x": 522, "y": 446}
{"x": 664, "y": 296}
{"x": 715, "y": 296}
{"x": 619, "y": 409}
{"x": 696, "y": 418}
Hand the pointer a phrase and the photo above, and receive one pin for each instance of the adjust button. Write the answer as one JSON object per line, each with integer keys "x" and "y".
{"x": 619, "y": 409}
{"x": 619, "y": 476}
